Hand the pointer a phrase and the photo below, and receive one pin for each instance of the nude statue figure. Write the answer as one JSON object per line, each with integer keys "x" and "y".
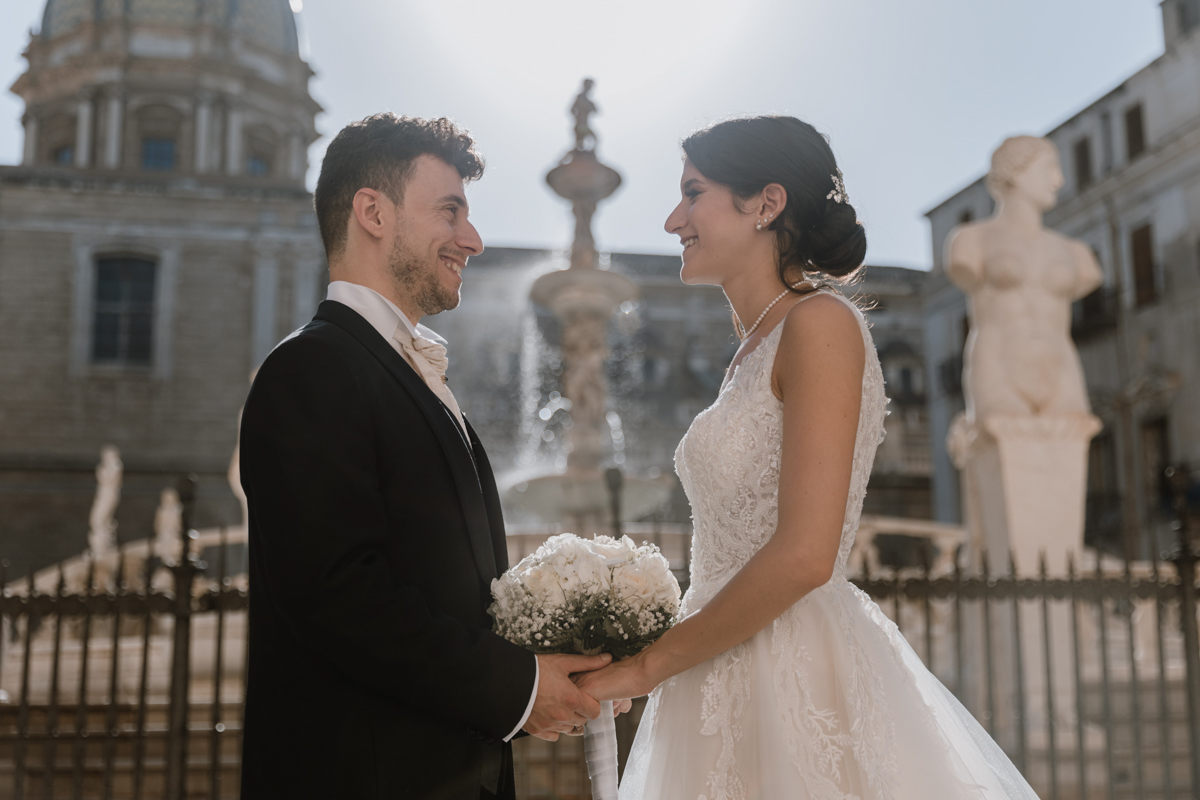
{"x": 102, "y": 528}
{"x": 1021, "y": 279}
{"x": 582, "y": 110}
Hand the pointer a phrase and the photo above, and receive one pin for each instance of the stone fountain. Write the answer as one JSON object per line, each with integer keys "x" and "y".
{"x": 583, "y": 297}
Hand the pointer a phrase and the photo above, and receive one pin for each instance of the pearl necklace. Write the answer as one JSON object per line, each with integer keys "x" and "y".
{"x": 747, "y": 333}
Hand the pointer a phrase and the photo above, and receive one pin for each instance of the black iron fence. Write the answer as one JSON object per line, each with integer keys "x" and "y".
{"x": 119, "y": 681}
{"x": 121, "y": 676}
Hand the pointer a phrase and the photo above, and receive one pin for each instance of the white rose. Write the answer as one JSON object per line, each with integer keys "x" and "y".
{"x": 554, "y": 596}
{"x": 542, "y": 583}
{"x": 611, "y": 549}
{"x": 633, "y": 585}
{"x": 568, "y": 579}
{"x": 537, "y": 578}
{"x": 668, "y": 596}
{"x": 654, "y": 565}
{"x": 522, "y": 565}
{"x": 593, "y": 573}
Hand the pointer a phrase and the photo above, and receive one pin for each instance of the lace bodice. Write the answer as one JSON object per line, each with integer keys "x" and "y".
{"x": 728, "y": 463}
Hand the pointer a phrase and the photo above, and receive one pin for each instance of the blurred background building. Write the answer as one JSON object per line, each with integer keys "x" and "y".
{"x": 155, "y": 243}
{"x": 1131, "y": 161}
{"x": 158, "y": 240}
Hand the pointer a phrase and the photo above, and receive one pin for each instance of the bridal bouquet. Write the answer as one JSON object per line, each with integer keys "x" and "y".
{"x": 586, "y": 597}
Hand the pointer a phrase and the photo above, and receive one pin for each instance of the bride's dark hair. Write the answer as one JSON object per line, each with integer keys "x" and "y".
{"x": 813, "y": 233}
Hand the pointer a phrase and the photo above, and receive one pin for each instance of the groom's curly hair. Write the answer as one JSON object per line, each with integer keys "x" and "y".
{"x": 379, "y": 153}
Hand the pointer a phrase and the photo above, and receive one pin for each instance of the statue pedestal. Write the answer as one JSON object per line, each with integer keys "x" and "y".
{"x": 1026, "y": 481}
{"x": 1025, "y": 485}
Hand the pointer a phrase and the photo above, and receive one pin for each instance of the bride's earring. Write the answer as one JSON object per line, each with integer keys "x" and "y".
{"x": 759, "y": 226}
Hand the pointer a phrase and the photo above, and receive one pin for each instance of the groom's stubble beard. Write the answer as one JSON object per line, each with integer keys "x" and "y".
{"x": 418, "y": 281}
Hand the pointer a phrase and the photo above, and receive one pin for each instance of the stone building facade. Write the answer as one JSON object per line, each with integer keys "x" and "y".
{"x": 155, "y": 242}
{"x": 158, "y": 240}
{"x": 900, "y": 480}
{"x": 1131, "y": 161}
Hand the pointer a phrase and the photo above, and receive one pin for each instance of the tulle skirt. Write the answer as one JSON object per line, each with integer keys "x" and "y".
{"x": 829, "y": 702}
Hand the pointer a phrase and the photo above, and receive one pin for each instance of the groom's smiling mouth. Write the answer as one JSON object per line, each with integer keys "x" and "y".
{"x": 452, "y": 265}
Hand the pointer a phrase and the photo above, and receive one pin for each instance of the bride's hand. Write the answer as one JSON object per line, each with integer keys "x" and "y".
{"x": 620, "y": 680}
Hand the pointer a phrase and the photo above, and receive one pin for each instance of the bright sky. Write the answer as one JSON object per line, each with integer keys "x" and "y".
{"x": 914, "y": 94}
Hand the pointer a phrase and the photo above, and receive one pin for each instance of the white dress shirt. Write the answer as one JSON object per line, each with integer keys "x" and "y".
{"x": 385, "y": 317}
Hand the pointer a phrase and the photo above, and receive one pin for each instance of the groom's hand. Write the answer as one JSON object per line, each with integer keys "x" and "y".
{"x": 560, "y": 707}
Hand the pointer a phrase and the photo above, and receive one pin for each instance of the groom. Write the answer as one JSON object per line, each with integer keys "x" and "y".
{"x": 375, "y": 524}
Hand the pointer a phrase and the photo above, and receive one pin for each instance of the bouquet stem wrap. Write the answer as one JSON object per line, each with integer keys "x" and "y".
{"x": 600, "y": 750}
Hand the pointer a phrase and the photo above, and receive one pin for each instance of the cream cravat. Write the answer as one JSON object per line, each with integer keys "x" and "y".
{"x": 430, "y": 360}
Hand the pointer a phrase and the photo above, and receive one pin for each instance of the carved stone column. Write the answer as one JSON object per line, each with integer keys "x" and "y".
{"x": 233, "y": 140}
{"x": 305, "y": 279}
{"x": 203, "y": 133}
{"x": 113, "y": 129}
{"x": 296, "y": 160}
{"x": 31, "y": 140}
{"x": 265, "y": 302}
{"x": 83, "y": 132}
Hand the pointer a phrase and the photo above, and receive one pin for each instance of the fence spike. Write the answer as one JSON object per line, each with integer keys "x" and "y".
{"x": 50, "y": 752}
{"x": 111, "y": 729}
{"x": 81, "y": 706}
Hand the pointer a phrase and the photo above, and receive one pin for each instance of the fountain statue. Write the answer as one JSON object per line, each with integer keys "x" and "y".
{"x": 168, "y": 525}
{"x": 1022, "y": 441}
{"x": 583, "y": 297}
{"x": 102, "y": 527}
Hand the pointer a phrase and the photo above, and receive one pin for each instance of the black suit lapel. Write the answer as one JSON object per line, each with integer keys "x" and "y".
{"x": 458, "y": 451}
{"x": 491, "y": 499}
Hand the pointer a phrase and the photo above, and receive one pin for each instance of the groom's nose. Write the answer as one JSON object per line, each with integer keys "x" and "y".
{"x": 468, "y": 240}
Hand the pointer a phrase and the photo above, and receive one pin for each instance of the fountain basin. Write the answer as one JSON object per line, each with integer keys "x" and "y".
{"x": 581, "y": 499}
{"x": 581, "y": 176}
{"x": 569, "y": 292}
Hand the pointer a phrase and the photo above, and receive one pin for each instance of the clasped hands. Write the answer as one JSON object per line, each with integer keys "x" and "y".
{"x": 570, "y": 689}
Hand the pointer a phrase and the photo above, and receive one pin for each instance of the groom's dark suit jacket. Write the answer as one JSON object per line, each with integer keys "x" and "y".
{"x": 375, "y": 530}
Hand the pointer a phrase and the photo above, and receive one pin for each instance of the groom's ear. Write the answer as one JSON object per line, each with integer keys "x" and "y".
{"x": 373, "y": 213}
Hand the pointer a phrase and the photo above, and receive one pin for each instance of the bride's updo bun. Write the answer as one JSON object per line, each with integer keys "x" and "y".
{"x": 814, "y": 233}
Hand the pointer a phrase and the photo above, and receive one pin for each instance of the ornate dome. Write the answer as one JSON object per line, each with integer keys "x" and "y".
{"x": 268, "y": 23}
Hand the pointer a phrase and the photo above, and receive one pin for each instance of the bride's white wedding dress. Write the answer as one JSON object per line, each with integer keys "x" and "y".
{"x": 828, "y": 702}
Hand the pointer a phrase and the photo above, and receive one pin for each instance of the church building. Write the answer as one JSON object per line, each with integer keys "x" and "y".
{"x": 155, "y": 242}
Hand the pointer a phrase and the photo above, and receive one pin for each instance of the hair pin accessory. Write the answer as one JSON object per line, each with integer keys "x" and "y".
{"x": 838, "y": 195}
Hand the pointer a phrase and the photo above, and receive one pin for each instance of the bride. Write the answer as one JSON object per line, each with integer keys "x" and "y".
{"x": 783, "y": 680}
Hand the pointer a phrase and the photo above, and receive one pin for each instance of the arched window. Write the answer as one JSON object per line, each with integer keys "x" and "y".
{"x": 123, "y": 314}
{"x": 158, "y": 129}
{"x": 261, "y": 147}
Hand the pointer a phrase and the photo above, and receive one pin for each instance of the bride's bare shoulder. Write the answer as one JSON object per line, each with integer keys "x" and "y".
{"x": 821, "y": 338}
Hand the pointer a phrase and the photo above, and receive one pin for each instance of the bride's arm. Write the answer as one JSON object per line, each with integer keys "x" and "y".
{"x": 818, "y": 375}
